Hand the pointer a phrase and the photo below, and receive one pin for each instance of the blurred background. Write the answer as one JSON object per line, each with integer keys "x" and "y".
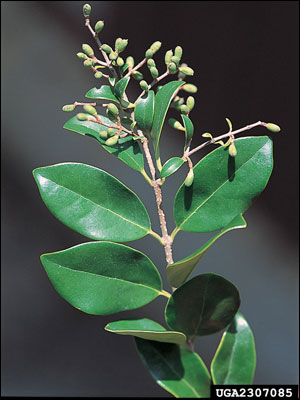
{"x": 245, "y": 57}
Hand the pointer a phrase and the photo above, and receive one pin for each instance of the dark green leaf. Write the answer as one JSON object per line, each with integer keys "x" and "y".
{"x": 102, "y": 277}
{"x": 146, "y": 329}
{"x": 224, "y": 187}
{"x": 143, "y": 112}
{"x": 162, "y": 103}
{"x": 235, "y": 359}
{"x": 188, "y": 129}
{"x": 178, "y": 272}
{"x": 103, "y": 93}
{"x": 202, "y": 306}
{"x": 120, "y": 87}
{"x": 176, "y": 369}
{"x": 171, "y": 166}
{"x": 126, "y": 150}
{"x": 92, "y": 202}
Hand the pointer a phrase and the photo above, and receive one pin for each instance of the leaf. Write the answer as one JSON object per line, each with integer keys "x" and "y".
{"x": 163, "y": 100}
{"x": 224, "y": 187}
{"x": 179, "y": 371}
{"x": 144, "y": 111}
{"x": 235, "y": 359}
{"x": 146, "y": 329}
{"x": 126, "y": 150}
{"x": 188, "y": 130}
{"x": 103, "y": 93}
{"x": 103, "y": 278}
{"x": 206, "y": 134}
{"x": 204, "y": 305}
{"x": 92, "y": 202}
{"x": 112, "y": 80}
{"x": 171, "y": 166}
{"x": 179, "y": 272}
{"x": 229, "y": 124}
{"x": 120, "y": 87}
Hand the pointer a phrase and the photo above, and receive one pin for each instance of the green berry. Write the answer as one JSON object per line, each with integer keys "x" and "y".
{"x": 184, "y": 109}
{"x": 68, "y": 107}
{"x": 190, "y": 102}
{"x": 88, "y": 63}
{"x": 178, "y": 52}
{"x": 130, "y": 61}
{"x": 112, "y": 117}
{"x": 144, "y": 85}
{"x": 175, "y": 124}
{"x": 99, "y": 26}
{"x": 175, "y": 60}
{"x": 86, "y": 10}
{"x": 155, "y": 46}
{"x": 190, "y": 88}
{"x": 111, "y": 132}
{"x": 106, "y": 48}
{"x": 98, "y": 75}
{"x": 154, "y": 72}
{"x": 113, "y": 55}
{"x": 186, "y": 70}
{"x": 149, "y": 53}
{"x": 168, "y": 56}
{"x": 88, "y": 50}
{"x": 112, "y": 141}
{"x": 272, "y": 127}
{"x": 90, "y": 109}
{"x": 232, "y": 150}
{"x": 172, "y": 68}
{"x": 189, "y": 179}
{"x": 113, "y": 109}
{"x": 137, "y": 75}
{"x": 82, "y": 56}
{"x": 150, "y": 63}
{"x": 82, "y": 117}
{"x": 121, "y": 44}
{"x": 120, "y": 62}
{"x": 103, "y": 135}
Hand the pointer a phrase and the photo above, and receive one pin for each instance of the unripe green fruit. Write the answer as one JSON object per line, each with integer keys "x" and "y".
{"x": 137, "y": 75}
{"x": 150, "y": 62}
{"x": 175, "y": 60}
{"x": 112, "y": 141}
{"x": 99, "y": 26}
{"x": 154, "y": 72}
{"x": 172, "y": 68}
{"x": 106, "y": 48}
{"x": 86, "y": 10}
{"x": 82, "y": 117}
{"x": 113, "y": 55}
{"x": 112, "y": 117}
{"x": 144, "y": 85}
{"x": 82, "y": 56}
{"x": 111, "y": 132}
{"x": 168, "y": 56}
{"x": 87, "y": 50}
{"x": 190, "y": 88}
{"x": 98, "y": 75}
{"x": 121, "y": 44}
{"x": 184, "y": 109}
{"x": 272, "y": 127}
{"x": 68, "y": 107}
{"x": 88, "y": 63}
{"x": 189, "y": 179}
{"x": 232, "y": 150}
{"x": 155, "y": 46}
{"x": 187, "y": 71}
{"x": 103, "y": 135}
{"x": 113, "y": 108}
{"x": 149, "y": 53}
{"x": 190, "y": 102}
{"x": 120, "y": 62}
{"x": 175, "y": 124}
{"x": 178, "y": 52}
{"x": 90, "y": 109}
{"x": 130, "y": 61}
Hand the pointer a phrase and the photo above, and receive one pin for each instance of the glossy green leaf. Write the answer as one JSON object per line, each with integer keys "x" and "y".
{"x": 171, "y": 166}
{"x": 202, "y": 306}
{"x": 235, "y": 359}
{"x": 120, "y": 87}
{"x": 103, "y": 93}
{"x": 224, "y": 187}
{"x": 92, "y": 202}
{"x": 188, "y": 130}
{"x": 146, "y": 329}
{"x": 162, "y": 103}
{"x": 144, "y": 111}
{"x": 178, "y": 272}
{"x": 179, "y": 371}
{"x": 127, "y": 150}
{"x": 102, "y": 277}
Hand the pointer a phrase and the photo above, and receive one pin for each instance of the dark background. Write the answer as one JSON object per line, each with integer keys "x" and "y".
{"x": 245, "y": 57}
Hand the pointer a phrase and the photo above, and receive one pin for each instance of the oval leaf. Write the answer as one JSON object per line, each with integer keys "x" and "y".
{"x": 92, "y": 202}
{"x": 178, "y": 272}
{"x": 171, "y": 166}
{"x": 146, "y": 329}
{"x": 103, "y": 278}
{"x": 202, "y": 306}
{"x": 179, "y": 371}
{"x": 103, "y": 93}
{"x": 120, "y": 87}
{"x": 162, "y": 103}
{"x": 235, "y": 359}
{"x": 127, "y": 150}
{"x": 144, "y": 111}
{"x": 224, "y": 187}
{"x": 188, "y": 130}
